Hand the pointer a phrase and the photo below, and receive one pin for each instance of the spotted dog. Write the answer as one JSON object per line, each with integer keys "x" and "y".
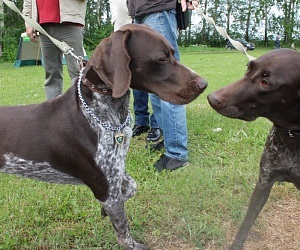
{"x": 82, "y": 136}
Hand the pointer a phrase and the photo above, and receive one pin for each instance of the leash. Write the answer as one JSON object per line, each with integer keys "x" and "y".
{"x": 223, "y": 33}
{"x": 65, "y": 48}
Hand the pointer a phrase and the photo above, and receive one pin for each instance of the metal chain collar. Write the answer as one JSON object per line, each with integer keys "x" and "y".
{"x": 92, "y": 114}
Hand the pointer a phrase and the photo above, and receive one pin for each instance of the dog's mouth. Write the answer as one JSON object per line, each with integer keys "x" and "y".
{"x": 194, "y": 89}
{"x": 246, "y": 113}
{"x": 234, "y": 112}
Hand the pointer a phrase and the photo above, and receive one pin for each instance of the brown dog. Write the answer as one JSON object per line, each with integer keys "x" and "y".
{"x": 82, "y": 136}
{"x": 271, "y": 89}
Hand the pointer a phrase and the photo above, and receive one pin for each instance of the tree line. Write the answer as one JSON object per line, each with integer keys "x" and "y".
{"x": 256, "y": 21}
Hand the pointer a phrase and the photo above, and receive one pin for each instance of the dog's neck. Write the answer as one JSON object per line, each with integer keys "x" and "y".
{"x": 101, "y": 107}
{"x": 291, "y": 133}
{"x": 91, "y": 80}
{"x": 96, "y": 87}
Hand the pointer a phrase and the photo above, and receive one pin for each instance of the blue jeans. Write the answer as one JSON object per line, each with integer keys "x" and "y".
{"x": 170, "y": 117}
{"x": 141, "y": 113}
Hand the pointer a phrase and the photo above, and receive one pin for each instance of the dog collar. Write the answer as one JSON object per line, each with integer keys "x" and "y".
{"x": 92, "y": 114}
{"x": 96, "y": 88}
{"x": 294, "y": 133}
{"x": 291, "y": 133}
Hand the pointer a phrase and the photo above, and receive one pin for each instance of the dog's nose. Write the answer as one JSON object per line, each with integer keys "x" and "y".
{"x": 202, "y": 85}
{"x": 213, "y": 100}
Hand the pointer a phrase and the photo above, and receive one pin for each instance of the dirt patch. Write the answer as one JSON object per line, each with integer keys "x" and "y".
{"x": 277, "y": 228}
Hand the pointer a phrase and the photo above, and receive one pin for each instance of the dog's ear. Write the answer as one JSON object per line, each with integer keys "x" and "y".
{"x": 111, "y": 62}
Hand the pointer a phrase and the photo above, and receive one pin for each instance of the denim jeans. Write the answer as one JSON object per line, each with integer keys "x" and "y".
{"x": 170, "y": 117}
{"x": 141, "y": 113}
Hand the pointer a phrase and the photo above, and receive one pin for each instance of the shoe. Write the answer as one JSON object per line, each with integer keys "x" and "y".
{"x": 154, "y": 134}
{"x": 138, "y": 130}
{"x": 168, "y": 163}
{"x": 157, "y": 146}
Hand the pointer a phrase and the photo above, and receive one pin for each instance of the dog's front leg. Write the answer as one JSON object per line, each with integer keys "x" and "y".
{"x": 258, "y": 199}
{"x": 129, "y": 187}
{"x": 114, "y": 208}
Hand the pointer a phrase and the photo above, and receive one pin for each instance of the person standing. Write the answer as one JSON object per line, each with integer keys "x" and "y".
{"x": 160, "y": 15}
{"x": 277, "y": 42}
{"x": 63, "y": 20}
{"x": 143, "y": 120}
{"x": 119, "y": 13}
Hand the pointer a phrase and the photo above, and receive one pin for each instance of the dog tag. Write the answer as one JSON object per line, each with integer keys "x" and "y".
{"x": 107, "y": 137}
{"x": 127, "y": 131}
{"x": 119, "y": 138}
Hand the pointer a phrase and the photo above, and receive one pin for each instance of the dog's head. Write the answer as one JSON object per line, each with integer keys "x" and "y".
{"x": 270, "y": 88}
{"x": 138, "y": 57}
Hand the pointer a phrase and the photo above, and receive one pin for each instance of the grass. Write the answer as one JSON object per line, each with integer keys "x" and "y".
{"x": 184, "y": 209}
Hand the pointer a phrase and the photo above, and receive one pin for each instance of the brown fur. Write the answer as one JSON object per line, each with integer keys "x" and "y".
{"x": 59, "y": 141}
{"x": 271, "y": 89}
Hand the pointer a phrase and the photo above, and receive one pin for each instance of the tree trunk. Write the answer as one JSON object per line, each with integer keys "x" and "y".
{"x": 248, "y": 20}
{"x": 203, "y": 32}
{"x": 1, "y": 25}
{"x": 229, "y": 7}
{"x": 99, "y": 13}
{"x": 266, "y": 26}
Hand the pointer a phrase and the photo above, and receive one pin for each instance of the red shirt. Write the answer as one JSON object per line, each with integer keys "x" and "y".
{"x": 48, "y": 11}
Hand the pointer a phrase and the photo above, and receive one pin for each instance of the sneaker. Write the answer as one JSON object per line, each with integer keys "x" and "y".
{"x": 138, "y": 130}
{"x": 168, "y": 163}
{"x": 154, "y": 134}
{"x": 157, "y": 146}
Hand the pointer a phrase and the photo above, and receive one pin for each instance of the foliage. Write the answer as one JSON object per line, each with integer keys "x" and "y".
{"x": 14, "y": 26}
{"x": 257, "y": 21}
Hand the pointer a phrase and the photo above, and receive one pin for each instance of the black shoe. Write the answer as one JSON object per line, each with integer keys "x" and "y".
{"x": 154, "y": 134}
{"x": 138, "y": 130}
{"x": 157, "y": 146}
{"x": 169, "y": 164}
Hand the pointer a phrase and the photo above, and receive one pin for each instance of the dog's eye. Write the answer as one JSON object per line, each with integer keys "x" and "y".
{"x": 264, "y": 83}
{"x": 266, "y": 74}
{"x": 164, "y": 59}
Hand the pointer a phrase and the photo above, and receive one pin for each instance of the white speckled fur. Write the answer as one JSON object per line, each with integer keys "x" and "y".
{"x": 111, "y": 159}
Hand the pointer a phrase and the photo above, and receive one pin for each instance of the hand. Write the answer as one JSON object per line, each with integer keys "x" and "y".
{"x": 190, "y": 5}
{"x": 31, "y": 33}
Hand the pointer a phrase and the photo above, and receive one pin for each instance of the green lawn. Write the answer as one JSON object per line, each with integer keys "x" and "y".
{"x": 185, "y": 209}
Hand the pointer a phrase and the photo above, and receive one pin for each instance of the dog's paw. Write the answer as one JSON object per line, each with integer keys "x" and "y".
{"x": 140, "y": 246}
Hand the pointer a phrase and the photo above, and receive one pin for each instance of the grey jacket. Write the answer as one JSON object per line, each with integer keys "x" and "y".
{"x": 70, "y": 10}
{"x": 139, "y": 8}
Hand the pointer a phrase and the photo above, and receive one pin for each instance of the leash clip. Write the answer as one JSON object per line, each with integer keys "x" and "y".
{"x": 78, "y": 58}
{"x": 291, "y": 134}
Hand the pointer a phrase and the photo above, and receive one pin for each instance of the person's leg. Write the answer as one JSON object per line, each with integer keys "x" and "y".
{"x": 73, "y": 36}
{"x": 140, "y": 106}
{"x": 52, "y": 59}
{"x": 170, "y": 117}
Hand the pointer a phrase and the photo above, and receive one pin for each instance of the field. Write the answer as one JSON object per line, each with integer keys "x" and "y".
{"x": 199, "y": 207}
